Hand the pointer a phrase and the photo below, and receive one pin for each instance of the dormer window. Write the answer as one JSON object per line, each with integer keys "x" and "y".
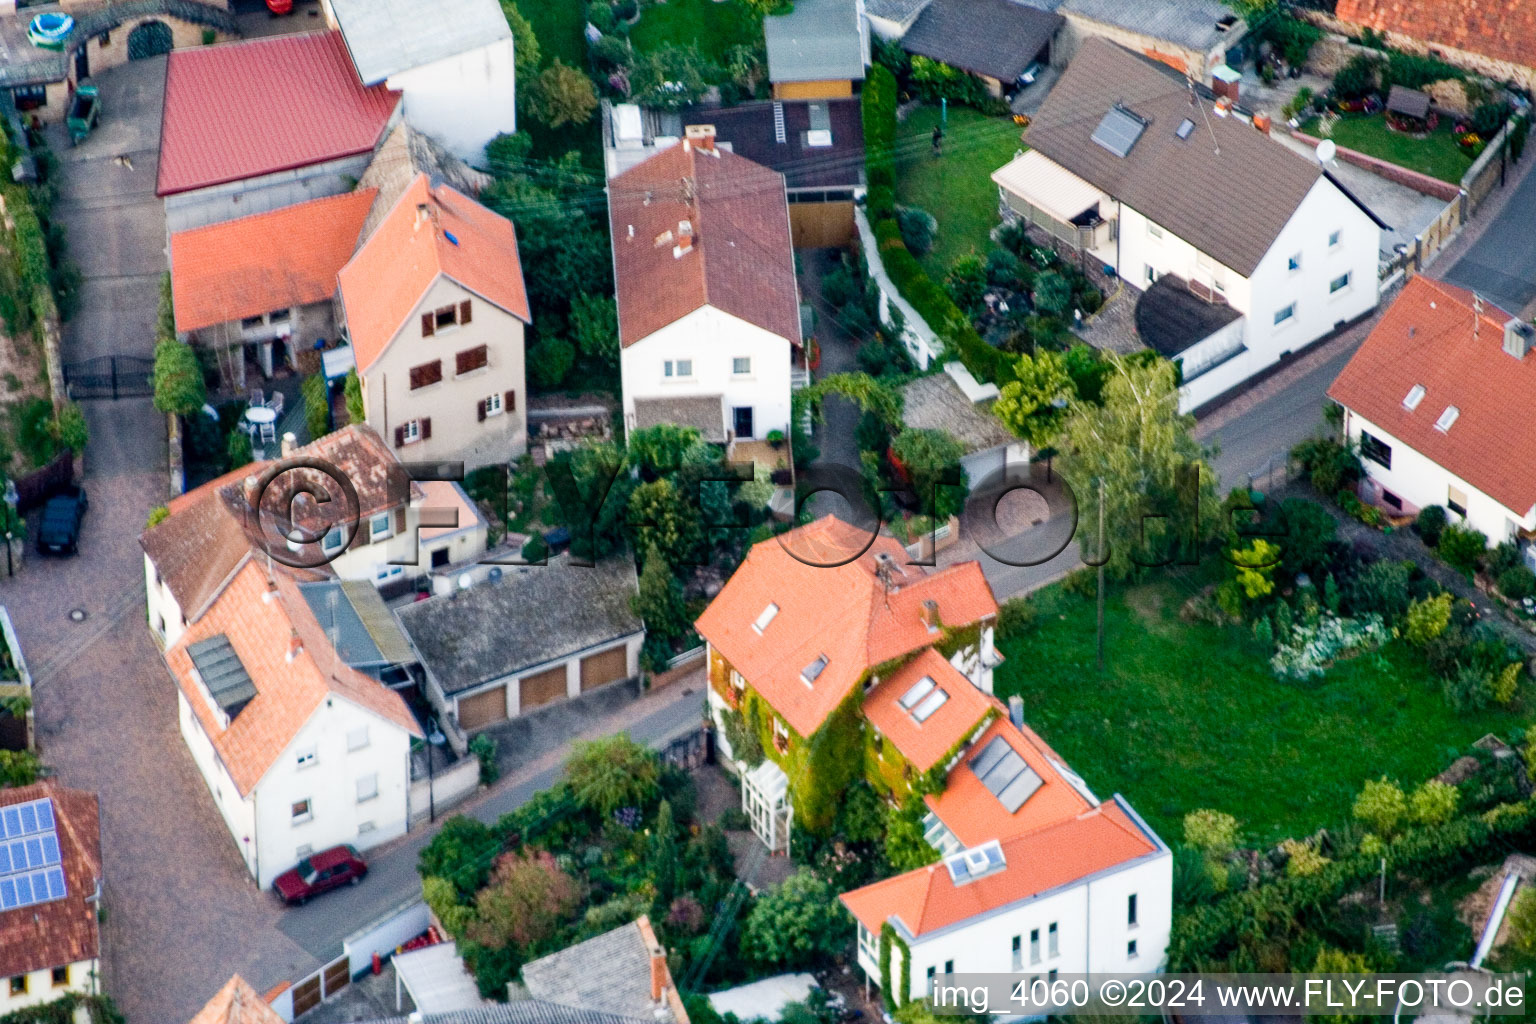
{"x": 1414, "y": 397}
{"x": 1443, "y": 424}
{"x": 765, "y": 618}
{"x": 814, "y": 669}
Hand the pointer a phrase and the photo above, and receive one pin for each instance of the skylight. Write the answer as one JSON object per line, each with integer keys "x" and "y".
{"x": 925, "y": 710}
{"x": 1447, "y": 418}
{"x": 920, "y": 689}
{"x": 814, "y": 669}
{"x": 766, "y": 617}
{"x": 1186, "y": 126}
{"x": 1005, "y": 774}
{"x": 1415, "y": 396}
{"x": 969, "y": 865}
{"x": 1119, "y": 130}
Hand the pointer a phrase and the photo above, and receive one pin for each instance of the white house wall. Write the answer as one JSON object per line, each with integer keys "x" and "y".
{"x": 463, "y": 101}
{"x": 1421, "y": 482}
{"x": 238, "y": 813}
{"x": 218, "y": 203}
{"x": 713, "y": 339}
{"x": 39, "y": 987}
{"x": 165, "y": 615}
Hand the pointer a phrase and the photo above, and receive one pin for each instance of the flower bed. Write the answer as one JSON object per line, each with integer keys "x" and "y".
{"x": 1312, "y": 649}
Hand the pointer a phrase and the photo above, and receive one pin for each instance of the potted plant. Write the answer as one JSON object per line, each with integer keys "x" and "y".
{"x": 776, "y": 439}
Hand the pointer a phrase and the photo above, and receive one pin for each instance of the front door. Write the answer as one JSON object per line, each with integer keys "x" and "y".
{"x": 743, "y": 418}
{"x": 82, "y": 63}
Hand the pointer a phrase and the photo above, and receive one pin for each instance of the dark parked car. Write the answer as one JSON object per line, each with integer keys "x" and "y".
{"x": 319, "y": 872}
{"x": 59, "y": 531}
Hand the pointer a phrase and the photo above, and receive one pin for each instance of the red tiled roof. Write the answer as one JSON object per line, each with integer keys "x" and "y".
{"x": 240, "y": 110}
{"x": 287, "y": 692}
{"x": 742, "y": 261}
{"x": 1501, "y": 29}
{"x": 843, "y": 612}
{"x": 927, "y": 899}
{"x": 1426, "y": 338}
{"x": 60, "y": 932}
{"x": 922, "y": 744}
{"x": 237, "y": 1003}
{"x": 969, "y": 810}
{"x": 460, "y": 239}
{"x": 253, "y": 265}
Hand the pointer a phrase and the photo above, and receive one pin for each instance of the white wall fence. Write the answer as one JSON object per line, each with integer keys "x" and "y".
{"x": 449, "y": 787}
{"x": 383, "y": 936}
{"x": 923, "y": 345}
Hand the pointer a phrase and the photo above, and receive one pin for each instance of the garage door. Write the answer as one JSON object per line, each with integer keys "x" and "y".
{"x": 544, "y": 688}
{"x": 601, "y": 669}
{"x": 483, "y": 709}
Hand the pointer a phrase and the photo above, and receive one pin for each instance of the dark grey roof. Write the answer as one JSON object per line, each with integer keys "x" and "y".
{"x": 1196, "y": 187}
{"x": 1188, "y": 23}
{"x": 527, "y": 1011}
{"x": 996, "y": 38}
{"x": 899, "y": 11}
{"x": 610, "y": 973}
{"x": 935, "y": 402}
{"x": 702, "y": 412}
{"x": 749, "y": 131}
{"x": 530, "y": 616}
{"x": 1411, "y": 102}
{"x": 222, "y": 673}
{"x": 362, "y": 629}
{"x": 1170, "y": 318}
{"x": 386, "y": 37}
{"x": 816, "y": 40}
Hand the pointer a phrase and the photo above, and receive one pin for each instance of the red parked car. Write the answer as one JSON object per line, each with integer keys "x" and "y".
{"x": 319, "y": 872}
{"x": 280, "y": 6}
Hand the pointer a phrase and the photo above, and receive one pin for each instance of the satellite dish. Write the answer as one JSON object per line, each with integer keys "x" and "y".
{"x": 494, "y": 574}
{"x": 1326, "y": 151}
{"x": 466, "y": 581}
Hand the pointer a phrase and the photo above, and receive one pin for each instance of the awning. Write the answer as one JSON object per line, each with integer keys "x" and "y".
{"x": 338, "y": 362}
{"x": 1047, "y": 185}
{"x": 436, "y": 979}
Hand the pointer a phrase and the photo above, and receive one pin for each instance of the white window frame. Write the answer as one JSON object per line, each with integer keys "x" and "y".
{"x": 375, "y": 534}
{"x": 306, "y": 815}
{"x": 1285, "y": 315}
{"x": 1341, "y": 283}
{"x": 736, "y": 364}
{"x": 685, "y": 369}
{"x": 494, "y": 405}
{"x": 1335, "y": 239}
{"x": 1154, "y": 230}
{"x": 410, "y": 431}
{"x": 308, "y": 757}
{"x": 353, "y": 742}
{"x": 326, "y": 544}
{"x": 368, "y": 787}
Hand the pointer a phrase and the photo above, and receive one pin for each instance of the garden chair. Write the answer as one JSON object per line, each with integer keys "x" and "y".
{"x": 256, "y": 397}
{"x": 268, "y": 433}
{"x": 275, "y": 403}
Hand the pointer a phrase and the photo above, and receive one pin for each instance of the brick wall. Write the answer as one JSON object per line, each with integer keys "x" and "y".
{"x": 1442, "y": 190}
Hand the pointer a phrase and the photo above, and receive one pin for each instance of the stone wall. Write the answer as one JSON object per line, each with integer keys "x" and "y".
{"x": 1489, "y": 67}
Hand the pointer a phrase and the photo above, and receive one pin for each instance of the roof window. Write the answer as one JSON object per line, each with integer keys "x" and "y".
{"x": 1184, "y": 129}
{"x": 925, "y": 710}
{"x": 765, "y": 618}
{"x": 969, "y": 865}
{"x": 920, "y": 689}
{"x": 814, "y": 669}
{"x": 1443, "y": 424}
{"x": 1005, "y": 774}
{"x": 1415, "y": 396}
{"x": 1119, "y": 130}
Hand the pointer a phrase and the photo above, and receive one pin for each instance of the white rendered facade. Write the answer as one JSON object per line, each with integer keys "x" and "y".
{"x": 463, "y": 101}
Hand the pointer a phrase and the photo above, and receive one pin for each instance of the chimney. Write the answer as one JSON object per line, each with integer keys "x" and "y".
{"x": 684, "y": 237}
{"x": 290, "y": 444}
{"x": 271, "y": 591}
{"x": 250, "y": 490}
{"x": 702, "y": 136}
{"x": 1519, "y": 338}
{"x": 423, "y": 214}
{"x": 931, "y": 615}
{"x": 295, "y": 646}
{"x": 1016, "y": 710}
{"x": 658, "y": 974}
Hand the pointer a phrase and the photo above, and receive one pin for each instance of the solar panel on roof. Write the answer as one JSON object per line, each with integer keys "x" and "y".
{"x": 222, "y": 673}
{"x": 1005, "y": 774}
{"x": 1118, "y": 130}
{"x": 29, "y": 856}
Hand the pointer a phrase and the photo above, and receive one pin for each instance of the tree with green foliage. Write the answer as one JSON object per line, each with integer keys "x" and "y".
{"x": 931, "y": 459}
{"x": 1337, "y": 961}
{"x": 669, "y": 77}
{"x": 1309, "y": 530}
{"x": 661, "y": 853}
{"x": 590, "y": 491}
{"x": 767, "y": 8}
{"x": 549, "y": 360}
{"x": 613, "y": 772}
{"x": 353, "y": 390}
{"x": 69, "y": 427}
{"x": 237, "y": 449}
{"x": 1254, "y": 567}
{"x": 1052, "y": 294}
{"x": 562, "y": 95}
{"x": 797, "y": 923}
{"x": 1463, "y": 547}
{"x": 1381, "y": 807}
{"x": 525, "y": 903}
{"x": 595, "y": 330}
{"x": 526, "y": 53}
{"x": 157, "y": 515}
{"x": 869, "y": 394}
{"x": 663, "y": 520}
{"x": 461, "y": 852}
{"x": 1034, "y": 405}
{"x": 664, "y": 449}
{"x": 1522, "y": 921}
{"x": 19, "y": 768}
{"x": 1159, "y": 495}
{"x": 317, "y": 405}
{"x": 660, "y": 603}
{"x": 178, "y": 379}
{"x": 1433, "y": 803}
{"x": 905, "y": 846}
{"x": 1358, "y": 78}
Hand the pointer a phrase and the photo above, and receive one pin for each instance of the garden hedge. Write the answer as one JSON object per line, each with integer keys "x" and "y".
{"x": 930, "y": 300}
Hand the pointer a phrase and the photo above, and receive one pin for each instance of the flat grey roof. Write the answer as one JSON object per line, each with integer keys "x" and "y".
{"x": 818, "y": 39}
{"x": 936, "y": 402}
{"x": 1189, "y": 23}
{"x": 530, "y": 616}
{"x": 360, "y": 624}
{"x": 386, "y": 37}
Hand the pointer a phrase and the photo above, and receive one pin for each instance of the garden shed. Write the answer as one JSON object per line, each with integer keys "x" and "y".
{"x": 1410, "y": 105}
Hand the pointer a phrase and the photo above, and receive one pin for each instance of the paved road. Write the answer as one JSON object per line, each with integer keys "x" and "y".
{"x": 1501, "y": 265}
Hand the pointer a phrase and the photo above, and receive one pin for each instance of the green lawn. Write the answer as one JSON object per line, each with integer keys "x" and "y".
{"x": 1189, "y": 715}
{"x": 957, "y": 187}
{"x": 558, "y": 25}
{"x": 712, "y": 27}
{"x": 1437, "y": 156}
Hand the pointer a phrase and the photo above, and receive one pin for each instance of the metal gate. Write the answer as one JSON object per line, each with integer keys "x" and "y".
{"x": 150, "y": 39}
{"x": 324, "y": 984}
{"x": 110, "y": 377}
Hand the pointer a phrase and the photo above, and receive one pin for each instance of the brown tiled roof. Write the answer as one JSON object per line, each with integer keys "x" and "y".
{"x": 60, "y": 932}
{"x": 843, "y": 612}
{"x": 237, "y": 1003}
{"x": 1186, "y": 186}
{"x": 1501, "y": 29}
{"x": 1426, "y": 338}
{"x": 458, "y": 238}
{"x": 211, "y": 533}
{"x": 260, "y": 628}
{"x": 742, "y": 261}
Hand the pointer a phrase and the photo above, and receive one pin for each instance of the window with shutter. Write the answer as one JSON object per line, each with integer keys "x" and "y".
{"x": 480, "y": 410}
{"x": 471, "y": 359}
{"x": 399, "y": 437}
{"x": 426, "y": 427}
{"x": 511, "y": 401}
{"x": 464, "y": 312}
{"x": 426, "y": 373}
{"x": 428, "y": 328}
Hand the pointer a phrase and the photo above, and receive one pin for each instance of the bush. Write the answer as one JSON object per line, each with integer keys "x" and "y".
{"x": 1522, "y": 921}
{"x": 1328, "y": 464}
{"x": 1433, "y": 803}
{"x": 798, "y": 923}
{"x": 917, "y": 228}
{"x": 1427, "y": 619}
{"x": 1431, "y": 523}
{"x": 1488, "y": 119}
{"x": 549, "y": 361}
{"x": 1463, "y": 547}
{"x": 1517, "y": 583}
{"x": 611, "y": 773}
{"x": 1016, "y": 615}
{"x": 1211, "y": 832}
{"x": 238, "y": 449}
{"x": 1382, "y": 587}
{"x": 1381, "y": 807}
{"x": 1301, "y": 858}
{"x": 1357, "y": 79}
{"x": 600, "y": 15}
{"x": 483, "y": 748}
